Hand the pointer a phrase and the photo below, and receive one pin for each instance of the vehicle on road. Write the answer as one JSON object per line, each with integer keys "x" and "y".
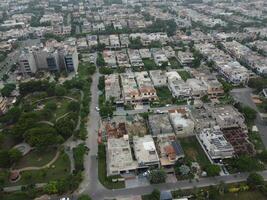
{"x": 97, "y": 109}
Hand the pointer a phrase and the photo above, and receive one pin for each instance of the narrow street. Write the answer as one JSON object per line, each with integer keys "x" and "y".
{"x": 90, "y": 183}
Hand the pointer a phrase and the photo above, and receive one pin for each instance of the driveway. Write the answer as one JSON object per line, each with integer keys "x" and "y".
{"x": 138, "y": 181}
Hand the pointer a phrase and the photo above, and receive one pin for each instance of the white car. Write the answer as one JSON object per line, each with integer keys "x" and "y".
{"x": 97, "y": 109}
{"x": 159, "y": 112}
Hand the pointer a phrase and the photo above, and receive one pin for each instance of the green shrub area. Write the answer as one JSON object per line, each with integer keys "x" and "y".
{"x": 78, "y": 154}
{"x": 184, "y": 75}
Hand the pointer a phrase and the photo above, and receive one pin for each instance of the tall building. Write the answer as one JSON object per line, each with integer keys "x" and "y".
{"x": 52, "y": 58}
{"x": 27, "y": 62}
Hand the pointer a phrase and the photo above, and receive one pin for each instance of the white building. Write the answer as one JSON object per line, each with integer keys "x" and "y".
{"x": 215, "y": 144}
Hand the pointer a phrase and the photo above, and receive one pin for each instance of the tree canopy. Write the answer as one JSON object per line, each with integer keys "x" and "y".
{"x": 157, "y": 176}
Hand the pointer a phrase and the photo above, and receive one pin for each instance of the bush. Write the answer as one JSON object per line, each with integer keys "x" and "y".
{"x": 157, "y": 176}
{"x": 213, "y": 170}
{"x": 78, "y": 155}
{"x": 255, "y": 180}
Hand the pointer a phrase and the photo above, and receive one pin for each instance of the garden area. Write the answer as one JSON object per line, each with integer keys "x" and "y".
{"x": 193, "y": 151}
{"x": 57, "y": 170}
{"x": 174, "y": 63}
{"x": 164, "y": 94}
{"x": 36, "y": 158}
{"x": 149, "y": 64}
{"x": 184, "y": 75}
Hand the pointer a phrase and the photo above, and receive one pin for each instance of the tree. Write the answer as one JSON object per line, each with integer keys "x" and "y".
{"x": 100, "y": 60}
{"x": 101, "y": 83}
{"x": 51, "y": 187}
{"x": 249, "y": 113}
{"x": 12, "y": 116}
{"x": 5, "y": 77}
{"x": 42, "y": 136}
{"x": 4, "y": 159}
{"x": 247, "y": 164}
{"x": 105, "y": 70}
{"x": 50, "y": 106}
{"x": 135, "y": 43}
{"x": 263, "y": 156}
{"x": 155, "y": 195}
{"x": 25, "y": 122}
{"x": 78, "y": 155}
{"x": 65, "y": 127}
{"x": 73, "y": 106}
{"x": 14, "y": 155}
{"x": 213, "y": 170}
{"x": 60, "y": 90}
{"x": 255, "y": 180}
{"x": 157, "y": 176}
{"x": 8, "y": 89}
{"x": 257, "y": 83}
{"x": 84, "y": 197}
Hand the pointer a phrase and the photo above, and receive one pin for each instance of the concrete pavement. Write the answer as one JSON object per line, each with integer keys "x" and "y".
{"x": 90, "y": 183}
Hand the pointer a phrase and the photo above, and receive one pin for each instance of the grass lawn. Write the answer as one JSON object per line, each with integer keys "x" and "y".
{"x": 62, "y": 105}
{"x": 184, "y": 75}
{"x": 164, "y": 94}
{"x": 36, "y": 158}
{"x": 15, "y": 196}
{"x": 149, "y": 64}
{"x": 194, "y": 151}
{"x": 102, "y": 171}
{"x": 255, "y": 138}
{"x": 175, "y": 64}
{"x": 74, "y": 94}
{"x": 58, "y": 170}
{"x": 248, "y": 195}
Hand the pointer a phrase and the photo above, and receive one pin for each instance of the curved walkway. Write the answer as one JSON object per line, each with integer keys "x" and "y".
{"x": 47, "y": 98}
{"x": 62, "y": 116}
{"x": 42, "y": 167}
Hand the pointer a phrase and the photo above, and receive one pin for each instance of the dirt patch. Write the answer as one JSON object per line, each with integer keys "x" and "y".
{"x": 190, "y": 152}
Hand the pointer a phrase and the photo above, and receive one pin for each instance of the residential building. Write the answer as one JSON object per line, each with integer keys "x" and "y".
{"x": 110, "y": 58}
{"x": 158, "y": 78}
{"x": 112, "y": 87}
{"x": 215, "y": 144}
{"x": 122, "y": 58}
{"x": 185, "y": 58}
{"x": 145, "y": 86}
{"x": 130, "y": 92}
{"x": 170, "y": 150}
{"x": 159, "y": 125}
{"x": 119, "y": 156}
{"x": 159, "y": 57}
{"x": 145, "y": 152}
{"x": 135, "y": 58}
{"x": 181, "y": 122}
{"x": 177, "y": 86}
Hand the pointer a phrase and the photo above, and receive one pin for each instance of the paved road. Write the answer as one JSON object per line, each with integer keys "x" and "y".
{"x": 90, "y": 182}
{"x": 100, "y": 194}
{"x": 243, "y": 95}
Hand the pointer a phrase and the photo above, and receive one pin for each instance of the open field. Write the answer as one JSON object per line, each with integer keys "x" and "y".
{"x": 194, "y": 151}
{"x": 36, "y": 158}
{"x": 58, "y": 170}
